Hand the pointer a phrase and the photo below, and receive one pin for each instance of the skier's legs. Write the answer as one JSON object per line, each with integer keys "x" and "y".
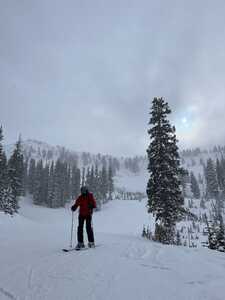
{"x": 89, "y": 229}
{"x": 80, "y": 236}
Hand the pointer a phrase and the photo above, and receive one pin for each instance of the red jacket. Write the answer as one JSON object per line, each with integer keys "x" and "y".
{"x": 86, "y": 204}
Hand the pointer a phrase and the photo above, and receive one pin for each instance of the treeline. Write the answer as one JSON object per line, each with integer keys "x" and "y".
{"x": 99, "y": 182}
{"x": 133, "y": 164}
{"x": 39, "y": 150}
{"x": 42, "y": 151}
{"x": 212, "y": 192}
{"x": 122, "y": 194}
{"x": 215, "y": 190}
{"x": 51, "y": 184}
{"x": 54, "y": 184}
{"x": 215, "y": 178}
{"x": 11, "y": 178}
{"x": 197, "y": 151}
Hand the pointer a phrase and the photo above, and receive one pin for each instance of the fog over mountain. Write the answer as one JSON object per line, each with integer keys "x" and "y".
{"x": 82, "y": 74}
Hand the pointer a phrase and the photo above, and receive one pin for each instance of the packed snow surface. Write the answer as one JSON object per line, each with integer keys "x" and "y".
{"x": 124, "y": 266}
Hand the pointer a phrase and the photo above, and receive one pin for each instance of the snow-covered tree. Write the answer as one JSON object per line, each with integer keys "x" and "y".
{"x": 7, "y": 202}
{"x": 15, "y": 174}
{"x": 194, "y": 186}
{"x": 165, "y": 199}
{"x": 31, "y": 176}
{"x": 220, "y": 171}
{"x": 110, "y": 182}
{"x": 51, "y": 186}
{"x": 103, "y": 184}
{"x": 211, "y": 180}
{"x": 97, "y": 190}
{"x": 38, "y": 184}
{"x": 75, "y": 181}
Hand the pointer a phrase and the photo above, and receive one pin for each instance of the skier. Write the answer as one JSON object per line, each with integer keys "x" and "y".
{"x": 87, "y": 203}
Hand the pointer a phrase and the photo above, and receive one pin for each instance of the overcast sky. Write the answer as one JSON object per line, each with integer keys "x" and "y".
{"x": 83, "y": 73}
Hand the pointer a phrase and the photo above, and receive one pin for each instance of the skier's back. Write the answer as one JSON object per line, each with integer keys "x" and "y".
{"x": 86, "y": 202}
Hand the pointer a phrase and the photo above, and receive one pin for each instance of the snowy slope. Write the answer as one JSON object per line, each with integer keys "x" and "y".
{"x": 124, "y": 266}
{"x": 125, "y": 179}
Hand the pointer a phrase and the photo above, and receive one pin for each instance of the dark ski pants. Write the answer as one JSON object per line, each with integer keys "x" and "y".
{"x": 89, "y": 229}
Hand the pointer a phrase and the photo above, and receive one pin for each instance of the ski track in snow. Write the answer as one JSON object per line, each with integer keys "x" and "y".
{"x": 124, "y": 266}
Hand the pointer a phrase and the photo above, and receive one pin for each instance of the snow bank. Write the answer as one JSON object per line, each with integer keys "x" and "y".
{"x": 124, "y": 266}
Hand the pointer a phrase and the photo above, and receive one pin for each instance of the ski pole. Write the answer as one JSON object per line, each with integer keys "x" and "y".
{"x": 71, "y": 238}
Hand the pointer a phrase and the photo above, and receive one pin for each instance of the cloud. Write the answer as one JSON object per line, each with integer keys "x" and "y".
{"x": 83, "y": 73}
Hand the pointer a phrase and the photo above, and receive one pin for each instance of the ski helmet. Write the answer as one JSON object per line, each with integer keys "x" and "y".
{"x": 84, "y": 190}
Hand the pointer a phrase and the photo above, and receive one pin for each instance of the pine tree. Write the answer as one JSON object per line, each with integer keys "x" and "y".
{"x": 184, "y": 176}
{"x": 164, "y": 195}
{"x": 51, "y": 186}
{"x": 7, "y": 202}
{"x": 97, "y": 186}
{"x": 194, "y": 186}
{"x": 31, "y": 176}
{"x": 83, "y": 177}
{"x": 221, "y": 235}
{"x": 38, "y": 184}
{"x": 103, "y": 184}
{"x": 110, "y": 182}
{"x": 64, "y": 183}
{"x": 58, "y": 201}
{"x": 91, "y": 184}
{"x": 25, "y": 178}
{"x": 211, "y": 180}
{"x": 15, "y": 174}
{"x": 45, "y": 183}
{"x": 88, "y": 178}
{"x": 3, "y": 170}
{"x": 76, "y": 178}
{"x": 219, "y": 173}
{"x": 69, "y": 183}
{"x": 216, "y": 235}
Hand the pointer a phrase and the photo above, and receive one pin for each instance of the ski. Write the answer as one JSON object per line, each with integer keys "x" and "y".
{"x": 81, "y": 249}
{"x": 74, "y": 249}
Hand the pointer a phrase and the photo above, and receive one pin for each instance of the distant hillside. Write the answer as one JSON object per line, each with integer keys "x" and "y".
{"x": 130, "y": 172}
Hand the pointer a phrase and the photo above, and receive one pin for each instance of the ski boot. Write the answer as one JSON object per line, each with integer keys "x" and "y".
{"x": 91, "y": 245}
{"x": 80, "y": 246}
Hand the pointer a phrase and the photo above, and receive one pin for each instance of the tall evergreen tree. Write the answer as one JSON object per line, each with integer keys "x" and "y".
{"x": 212, "y": 186}
{"x": 25, "y": 178}
{"x": 87, "y": 180}
{"x": 38, "y": 184}
{"x": 103, "y": 184}
{"x": 96, "y": 191}
{"x": 76, "y": 178}
{"x": 164, "y": 195}
{"x": 31, "y": 176}
{"x": 8, "y": 201}
{"x": 91, "y": 184}
{"x": 220, "y": 171}
{"x": 15, "y": 173}
{"x": 58, "y": 201}
{"x": 184, "y": 178}
{"x": 194, "y": 186}
{"x": 83, "y": 177}
{"x": 45, "y": 183}
{"x": 51, "y": 186}
{"x": 6, "y": 196}
{"x": 110, "y": 182}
